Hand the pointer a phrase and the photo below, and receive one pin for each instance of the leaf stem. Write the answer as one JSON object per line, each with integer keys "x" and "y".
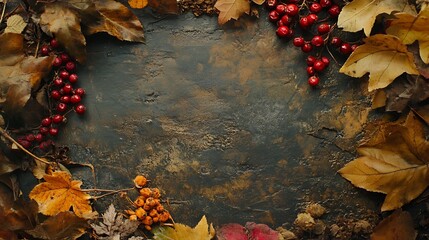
{"x": 106, "y": 190}
{"x": 3, "y": 11}
{"x": 7, "y": 136}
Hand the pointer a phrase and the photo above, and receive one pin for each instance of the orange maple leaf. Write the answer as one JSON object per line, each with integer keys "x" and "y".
{"x": 59, "y": 193}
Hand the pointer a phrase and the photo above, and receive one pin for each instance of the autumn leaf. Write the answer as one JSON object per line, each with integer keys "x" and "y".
{"x": 399, "y": 225}
{"x": 410, "y": 28}
{"x": 114, "y": 226}
{"x": 391, "y": 56}
{"x": 59, "y": 21}
{"x": 395, "y": 162}
{"x": 361, "y": 14}
{"x": 64, "y": 225}
{"x": 232, "y": 231}
{"x": 180, "y": 231}
{"x": 261, "y": 231}
{"x": 59, "y": 193}
{"x": 231, "y": 9}
{"x": 118, "y": 21}
{"x": 15, "y": 24}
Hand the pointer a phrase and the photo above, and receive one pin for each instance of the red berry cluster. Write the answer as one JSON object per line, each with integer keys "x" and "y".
{"x": 63, "y": 97}
{"x": 313, "y": 19}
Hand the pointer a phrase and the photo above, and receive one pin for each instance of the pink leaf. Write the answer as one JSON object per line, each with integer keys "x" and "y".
{"x": 232, "y": 231}
{"x": 261, "y": 232}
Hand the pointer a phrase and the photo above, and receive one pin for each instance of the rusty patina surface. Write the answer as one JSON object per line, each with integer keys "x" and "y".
{"x": 221, "y": 119}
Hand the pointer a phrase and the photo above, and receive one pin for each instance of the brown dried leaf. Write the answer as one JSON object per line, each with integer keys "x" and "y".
{"x": 58, "y": 20}
{"x": 231, "y": 9}
{"x": 379, "y": 99}
{"x": 405, "y": 91}
{"x": 59, "y": 193}
{"x": 6, "y": 166}
{"x": 8, "y": 235}
{"x": 118, "y": 21}
{"x": 395, "y": 164}
{"x": 399, "y": 225}
{"x": 64, "y": 225}
{"x": 15, "y": 24}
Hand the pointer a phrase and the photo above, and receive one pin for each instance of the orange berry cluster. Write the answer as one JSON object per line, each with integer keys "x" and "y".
{"x": 149, "y": 209}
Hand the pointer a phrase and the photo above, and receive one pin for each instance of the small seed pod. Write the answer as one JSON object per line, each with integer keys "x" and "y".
{"x": 133, "y": 218}
{"x": 146, "y": 207}
{"x": 164, "y": 217}
{"x": 145, "y": 192}
{"x": 141, "y": 213}
{"x": 140, "y": 181}
{"x": 160, "y": 208}
{"x": 147, "y": 220}
{"x": 151, "y": 202}
{"x": 156, "y": 193}
{"x": 155, "y": 219}
{"x": 130, "y": 212}
{"x": 153, "y": 213}
{"x": 147, "y": 227}
{"x": 140, "y": 201}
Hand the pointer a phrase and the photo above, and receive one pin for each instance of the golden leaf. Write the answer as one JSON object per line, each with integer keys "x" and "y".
{"x": 59, "y": 193}
{"x": 231, "y": 9}
{"x": 384, "y": 57}
{"x": 15, "y": 24}
{"x": 259, "y": 2}
{"x": 396, "y": 164}
{"x": 361, "y": 14}
{"x": 399, "y": 225}
{"x": 138, "y": 3}
{"x": 410, "y": 28}
{"x": 180, "y": 231}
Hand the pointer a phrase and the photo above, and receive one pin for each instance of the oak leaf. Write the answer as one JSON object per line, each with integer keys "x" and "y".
{"x": 118, "y": 21}
{"x": 361, "y": 14}
{"x": 15, "y": 24}
{"x": 180, "y": 231}
{"x": 390, "y": 55}
{"x": 64, "y": 225}
{"x": 410, "y": 28}
{"x": 60, "y": 193}
{"x": 399, "y": 225}
{"x": 231, "y": 9}
{"x": 395, "y": 162}
{"x": 63, "y": 23}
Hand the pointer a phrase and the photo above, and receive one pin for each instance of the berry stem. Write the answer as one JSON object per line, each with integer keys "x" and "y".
{"x": 110, "y": 192}
{"x": 330, "y": 53}
{"x": 106, "y": 190}
{"x": 3, "y": 11}
{"x": 6, "y": 135}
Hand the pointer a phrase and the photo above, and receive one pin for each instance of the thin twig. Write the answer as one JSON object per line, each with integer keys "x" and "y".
{"x": 109, "y": 193}
{"x": 106, "y": 190}
{"x": 6, "y": 135}
{"x": 3, "y": 11}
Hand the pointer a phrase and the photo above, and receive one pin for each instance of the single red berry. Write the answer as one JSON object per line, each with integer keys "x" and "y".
{"x": 65, "y": 99}
{"x": 54, "y": 43}
{"x": 353, "y": 47}
{"x": 30, "y": 137}
{"x": 271, "y": 4}
{"x": 298, "y": 41}
{"x": 64, "y": 74}
{"x": 304, "y": 23}
{"x": 55, "y": 94}
{"x": 67, "y": 88}
{"x": 334, "y": 11}
{"x": 57, "y": 62}
{"x": 280, "y": 9}
{"x": 73, "y": 78}
{"x": 57, "y": 118}
{"x": 44, "y": 130}
{"x": 345, "y": 48}
{"x": 336, "y": 41}
{"x": 325, "y": 3}
{"x": 38, "y": 137}
{"x": 312, "y": 18}
{"x": 317, "y": 41}
{"x": 58, "y": 82}
{"x": 24, "y": 143}
{"x": 325, "y": 60}
{"x": 292, "y": 9}
{"x": 310, "y": 70}
{"x": 315, "y": 7}
{"x": 313, "y": 81}
{"x": 310, "y": 60}
{"x": 44, "y": 145}
{"x": 273, "y": 16}
{"x": 61, "y": 107}
{"x": 323, "y": 28}
{"x": 80, "y": 109}
{"x": 319, "y": 65}
{"x": 286, "y": 20}
{"x": 70, "y": 66}
{"x": 75, "y": 99}
{"x": 44, "y": 50}
{"x": 282, "y": 31}
{"x": 65, "y": 57}
{"x": 53, "y": 131}
{"x": 306, "y": 47}
{"x": 46, "y": 122}
{"x": 79, "y": 91}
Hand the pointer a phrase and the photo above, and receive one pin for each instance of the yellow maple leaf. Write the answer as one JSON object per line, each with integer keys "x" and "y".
{"x": 396, "y": 164}
{"x": 138, "y": 3}
{"x": 410, "y": 28}
{"x": 361, "y": 14}
{"x": 384, "y": 57}
{"x": 231, "y": 9}
{"x": 180, "y": 231}
{"x": 59, "y": 193}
